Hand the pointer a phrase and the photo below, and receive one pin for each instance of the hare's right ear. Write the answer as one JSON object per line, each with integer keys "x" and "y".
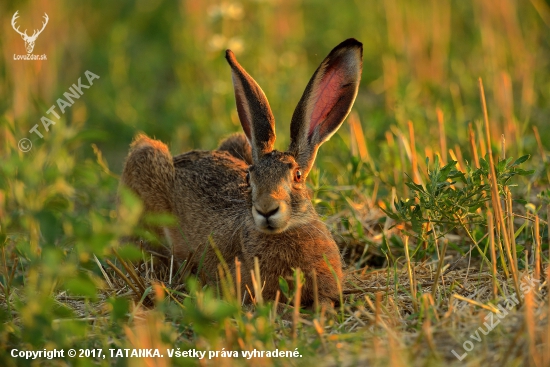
{"x": 254, "y": 112}
{"x": 326, "y": 102}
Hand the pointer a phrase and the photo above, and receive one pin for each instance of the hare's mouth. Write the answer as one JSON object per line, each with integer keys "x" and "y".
{"x": 269, "y": 229}
{"x": 269, "y": 226}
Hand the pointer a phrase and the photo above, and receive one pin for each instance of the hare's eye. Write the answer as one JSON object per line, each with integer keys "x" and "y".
{"x": 298, "y": 175}
{"x": 248, "y": 178}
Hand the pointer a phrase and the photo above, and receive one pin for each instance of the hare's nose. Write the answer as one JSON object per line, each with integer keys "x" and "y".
{"x": 269, "y": 213}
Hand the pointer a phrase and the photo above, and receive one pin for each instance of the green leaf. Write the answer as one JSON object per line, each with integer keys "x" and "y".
{"x": 50, "y": 226}
{"x": 129, "y": 252}
{"x": 522, "y": 172}
{"x": 389, "y": 214}
{"x": 159, "y": 219}
{"x": 61, "y": 310}
{"x": 120, "y": 308}
{"x": 484, "y": 165}
{"x": 283, "y": 284}
{"x": 501, "y": 165}
{"x": 446, "y": 170}
{"x": 81, "y": 286}
{"x": 520, "y": 160}
{"x": 416, "y": 219}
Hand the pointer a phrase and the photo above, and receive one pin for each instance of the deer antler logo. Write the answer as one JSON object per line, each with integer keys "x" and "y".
{"x": 29, "y": 40}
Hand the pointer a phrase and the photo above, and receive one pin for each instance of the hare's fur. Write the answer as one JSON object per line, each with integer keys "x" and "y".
{"x": 246, "y": 199}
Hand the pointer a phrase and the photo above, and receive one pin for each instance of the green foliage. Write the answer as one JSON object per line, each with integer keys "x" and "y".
{"x": 451, "y": 198}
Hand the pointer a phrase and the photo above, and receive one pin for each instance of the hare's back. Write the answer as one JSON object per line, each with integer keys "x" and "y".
{"x": 216, "y": 179}
{"x": 210, "y": 198}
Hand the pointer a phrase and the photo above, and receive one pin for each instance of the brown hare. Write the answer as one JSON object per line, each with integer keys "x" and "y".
{"x": 248, "y": 199}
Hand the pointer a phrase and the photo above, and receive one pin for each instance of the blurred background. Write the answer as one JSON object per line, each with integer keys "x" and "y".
{"x": 162, "y": 69}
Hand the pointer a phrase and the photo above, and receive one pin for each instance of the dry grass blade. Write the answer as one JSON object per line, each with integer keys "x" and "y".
{"x": 491, "y": 225}
{"x": 126, "y": 280}
{"x": 107, "y": 279}
{"x": 489, "y": 307}
{"x": 531, "y": 330}
{"x": 495, "y": 194}
{"x": 359, "y": 138}
{"x": 502, "y": 147}
{"x": 378, "y": 321}
{"x": 511, "y": 232}
{"x": 414, "y": 159}
{"x": 473, "y": 146}
{"x": 315, "y": 292}
{"x": 257, "y": 282}
{"x": 187, "y": 267}
{"x": 410, "y": 272}
{"x": 131, "y": 272}
{"x": 442, "y": 136}
{"x": 539, "y": 144}
{"x": 238, "y": 281}
{"x": 275, "y": 306}
{"x": 541, "y": 150}
{"x": 454, "y": 157}
{"x": 171, "y": 295}
{"x": 297, "y": 299}
{"x": 537, "y": 248}
{"x": 171, "y": 268}
{"x": 460, "y": 158}
{"x": 439, "y": 267}
{"x": 426, "y": 325}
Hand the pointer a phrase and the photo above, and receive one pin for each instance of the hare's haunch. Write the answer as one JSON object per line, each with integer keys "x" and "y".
{"x": 246, "y": 198}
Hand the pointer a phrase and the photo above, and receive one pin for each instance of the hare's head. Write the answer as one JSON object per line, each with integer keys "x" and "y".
{"x": 279, "y": 196}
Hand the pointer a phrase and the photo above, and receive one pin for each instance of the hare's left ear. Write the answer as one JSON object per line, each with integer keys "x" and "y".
{"x": 326, "y": 101}
{"x": 255, "y": 114}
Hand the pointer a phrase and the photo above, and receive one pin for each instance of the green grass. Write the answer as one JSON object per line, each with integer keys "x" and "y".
{"x": 405, "y": 185}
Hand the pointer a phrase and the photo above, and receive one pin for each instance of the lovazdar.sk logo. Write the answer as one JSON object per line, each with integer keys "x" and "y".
{"x": 29, "y": 40}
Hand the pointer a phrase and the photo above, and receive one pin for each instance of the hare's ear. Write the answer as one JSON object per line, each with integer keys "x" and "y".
{"x": 253, "y": 108}
{"x": 326, "y": 101}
